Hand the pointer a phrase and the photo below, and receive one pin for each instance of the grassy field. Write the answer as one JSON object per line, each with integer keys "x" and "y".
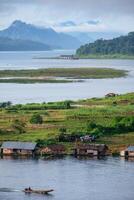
{"x": 75, "y": 73}
{"x": 102, "y": 111}
{"x": 124, "y": 99}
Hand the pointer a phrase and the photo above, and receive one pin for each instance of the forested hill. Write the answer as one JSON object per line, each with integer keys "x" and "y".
{"x": 123, "y": 45}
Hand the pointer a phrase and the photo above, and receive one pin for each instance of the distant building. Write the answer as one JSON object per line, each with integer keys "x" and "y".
{"x": 56, "y": 149}
{"x": 110, "y": 95}
{"x": 68, "y": 57}
{"x": 87, "y": 138}
{"x": 90, "y": 150}
{"x": 18, "y": 148}
{"x": 129, "y": 152}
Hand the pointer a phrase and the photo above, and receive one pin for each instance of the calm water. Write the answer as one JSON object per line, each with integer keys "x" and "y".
{"x": 22, "y": 93}
{"x": 72, "y": 179}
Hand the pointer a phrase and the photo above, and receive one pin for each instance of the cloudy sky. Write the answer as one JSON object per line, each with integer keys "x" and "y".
{"x": 71, "y": 15}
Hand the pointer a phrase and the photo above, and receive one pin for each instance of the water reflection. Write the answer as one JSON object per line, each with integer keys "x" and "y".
{"x": 71, "y": 178}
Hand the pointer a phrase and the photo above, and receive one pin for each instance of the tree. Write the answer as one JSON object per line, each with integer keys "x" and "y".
{"x": 120, "y": 45}
{"x": 91, "y": 126}
{"x": 5, "y": 104}
{"x": 36, "y": 119}
{"x": 18, "y": 126}
{"x": 62, "y": 134}
{"x": 67, "y": 104}
{"x": 62, "y": 130}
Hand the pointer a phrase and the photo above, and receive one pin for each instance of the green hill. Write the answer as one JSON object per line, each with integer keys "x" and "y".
{"x": 122, "y": 46}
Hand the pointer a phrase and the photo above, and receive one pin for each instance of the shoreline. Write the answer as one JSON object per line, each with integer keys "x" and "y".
{"x": 110, "y": 57}
{"x": 92, "y": 56}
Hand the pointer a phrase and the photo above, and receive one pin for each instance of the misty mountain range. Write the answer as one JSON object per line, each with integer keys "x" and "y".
{"x": 21, "y": 36}
{"x": 7, "y": 44}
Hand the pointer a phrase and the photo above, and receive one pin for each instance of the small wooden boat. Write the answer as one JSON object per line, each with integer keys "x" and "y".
{"x": 27, "y": 191}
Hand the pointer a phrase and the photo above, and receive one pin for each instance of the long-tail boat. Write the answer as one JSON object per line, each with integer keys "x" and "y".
{"x": 29, "y": 191}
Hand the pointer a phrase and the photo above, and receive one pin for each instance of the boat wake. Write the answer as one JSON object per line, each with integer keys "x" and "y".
{"x": 8, "y": 190}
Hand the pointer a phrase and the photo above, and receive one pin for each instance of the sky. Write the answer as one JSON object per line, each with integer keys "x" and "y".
{"x": 71, "y": 15}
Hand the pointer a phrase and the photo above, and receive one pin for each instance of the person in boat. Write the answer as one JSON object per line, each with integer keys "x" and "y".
{"x": 29, "y": 189}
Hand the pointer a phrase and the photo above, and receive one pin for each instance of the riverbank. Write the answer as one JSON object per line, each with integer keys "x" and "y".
{"x": 106, "y": 56}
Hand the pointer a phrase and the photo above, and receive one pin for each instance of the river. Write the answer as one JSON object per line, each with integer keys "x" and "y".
{"x": 72, "y": 179}
{"x": 24, "y": 93}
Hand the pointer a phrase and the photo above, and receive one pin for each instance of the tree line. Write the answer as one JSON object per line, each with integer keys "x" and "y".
{"x": 123, "y": 45}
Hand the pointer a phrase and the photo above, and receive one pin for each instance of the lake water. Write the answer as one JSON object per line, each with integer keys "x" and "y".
{"x": 71, "y": 178}
{"x": 23, "y": 93}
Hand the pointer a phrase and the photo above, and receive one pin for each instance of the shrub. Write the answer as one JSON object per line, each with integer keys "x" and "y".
{"x": 5, "y": 104}
{"x": 42, "y": 143}
{"x": 18, "y": 126}
{"x": 36, "y": 119}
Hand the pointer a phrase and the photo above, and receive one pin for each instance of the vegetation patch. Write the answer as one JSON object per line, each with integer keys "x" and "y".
{"x": 62, "y": 122}
{"x": 50, "y": 75}
{"x": 121, "y": 47}
{"x": 34, "y": 80}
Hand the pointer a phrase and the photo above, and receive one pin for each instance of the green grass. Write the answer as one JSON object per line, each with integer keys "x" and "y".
{"x": 101, "y": 111}
{"x": 76, "y": 73}
{"x": 31, "y": 81}
{"x": 125, "y": 99}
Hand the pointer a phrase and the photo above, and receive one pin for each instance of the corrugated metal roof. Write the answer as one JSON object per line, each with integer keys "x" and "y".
{"x": 19, "y": 145}
{"x": 130, "y": 148}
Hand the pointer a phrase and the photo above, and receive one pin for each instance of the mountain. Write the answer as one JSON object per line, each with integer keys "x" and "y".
{"x": 7, "y": 44}
{"x": 123, "y": 45}
{"x": 22, "y": 31}
{"x": 83, "y": 37}
{"x": 104, "y": 35}
{"x": 86, "y": 37}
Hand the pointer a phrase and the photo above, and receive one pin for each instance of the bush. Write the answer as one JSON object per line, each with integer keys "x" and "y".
{"x": 42, "y": 143}
{"x": 18, "y": 126}
{"x": 5, "y": 104}
{"x": 91, "y": 126}
{"x": 36, "y": 119}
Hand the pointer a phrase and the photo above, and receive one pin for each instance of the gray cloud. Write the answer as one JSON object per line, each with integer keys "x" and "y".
{"x": 114, "y": 12}
{"x": 93, "y": 22}
{"x": 93, "y": 6}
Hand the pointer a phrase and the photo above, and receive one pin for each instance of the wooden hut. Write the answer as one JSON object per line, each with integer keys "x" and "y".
{"x": 129, "y": 152}
{"x": 56, "y": 149}
{"x": 90, "y": 150}
{"x": 18, "y": 148}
